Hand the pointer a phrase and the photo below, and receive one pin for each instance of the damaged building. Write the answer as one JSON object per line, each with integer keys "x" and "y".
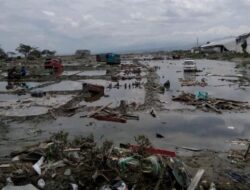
{"x": 238, "y": 44}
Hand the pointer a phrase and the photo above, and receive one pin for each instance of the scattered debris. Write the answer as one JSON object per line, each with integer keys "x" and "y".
{"x": 231, "y": 127}
{"x": 201, "y": 83}
{"x": 37, "y": 166}
{"x": 41, "y": 183}
{"x": 158, "y": 135}
{"x": 92, "y": 92}
{"x": 150, "y": 150}
{"x": 247, "y": 151}
{"x": 153, "y": 112}
{"x": 25, "y": 187}
{"x": 101, "y": 167}
{"x": 203, "y": 102}
{"x": 167, "y": 84}
{"x": 237, "y": 177}
{"x": 196, "y": 179}
{"x": 38, "y": 94}
{"x": 113, "y": 118}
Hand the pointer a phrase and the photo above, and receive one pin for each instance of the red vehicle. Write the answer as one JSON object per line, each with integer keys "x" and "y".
{"x": 53, "y": 63}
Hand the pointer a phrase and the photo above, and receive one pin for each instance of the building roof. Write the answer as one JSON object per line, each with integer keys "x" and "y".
{"x": 242, "y": 37}
{"x": 224, "y": 42}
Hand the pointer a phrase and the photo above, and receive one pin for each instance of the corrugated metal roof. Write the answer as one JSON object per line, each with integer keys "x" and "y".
{"x": 223, "y": 42}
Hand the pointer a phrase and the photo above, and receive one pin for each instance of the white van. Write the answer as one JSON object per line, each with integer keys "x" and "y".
{"x": 189, "y": 66}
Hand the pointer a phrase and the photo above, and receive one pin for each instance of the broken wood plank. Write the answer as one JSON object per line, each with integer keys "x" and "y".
{"x": 233, "y": 101}
{"x": 71, "y": 149}
{"x": 150, "y": 150}
{"x": 247, "y": 151}
{"x": 73, "y": 108}
{"x": 110, "y": 118}
{"x": 98, "y": 110}
{"x": 196, "y": 179}
{"x": 192, "y": 149}
{"x": 131, "y": 116}
{"x": 52, "y": 114}
{"x": 5, "y": 166}
{"x": 110, "y": 112}
{"x": 213, "y": 108}
{"x": 75, "y": 74}
{"x": 153, "y": 113}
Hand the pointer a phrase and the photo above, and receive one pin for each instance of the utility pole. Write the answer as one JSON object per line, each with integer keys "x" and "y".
{"x": 197, "y": 42}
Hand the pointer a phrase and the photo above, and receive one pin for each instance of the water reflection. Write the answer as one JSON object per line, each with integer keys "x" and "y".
{"x": 189, "y": 76}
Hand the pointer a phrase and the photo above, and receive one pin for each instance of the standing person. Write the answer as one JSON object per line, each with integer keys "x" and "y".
{"x": 23, "y": 71}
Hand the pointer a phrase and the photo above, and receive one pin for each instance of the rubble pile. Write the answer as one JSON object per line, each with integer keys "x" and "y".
{"x": 201, "y": 83}
{"x": 206, "y": 103}
{"x": 81, "y": 164}
{"x": 129, "y": 72}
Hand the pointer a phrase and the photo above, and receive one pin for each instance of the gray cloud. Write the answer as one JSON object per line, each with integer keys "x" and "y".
{"x": 106, "y": 25}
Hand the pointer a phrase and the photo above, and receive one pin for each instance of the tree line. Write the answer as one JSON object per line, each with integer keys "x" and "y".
{"x": 29, "y": 52}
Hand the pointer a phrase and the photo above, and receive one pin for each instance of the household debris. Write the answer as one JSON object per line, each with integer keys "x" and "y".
{"x": 202, "y": 101}
{"x": 167, "y": 84}
{"x": 92, "y": 92}
{"x": 129, "y": 73}
{"x": 38, "y": 94}
{"x": 153, "y": 113}
{"x": 153, "y": 86}
{"x": 196, "y": 179}
{"x": 108, "y": 114}
{"x": 82, "y": 164}
{"x": 201, "y": 83}
{"x": 160, "y": 136}
{"x": 237, "y": 177}
{"x": 240, "y": 154}
{"x": 24, "y": 187}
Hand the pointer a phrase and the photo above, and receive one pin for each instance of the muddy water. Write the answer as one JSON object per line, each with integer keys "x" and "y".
{"x": 65, "y": 85}
{"x": 126, "y": 92}
{"x": 182, "y": 128}
{"x": 211, "y": 71}
{"x": 85, "y": 73}
{"x": 199, "y": 130}
{"x": 3, "y": 85}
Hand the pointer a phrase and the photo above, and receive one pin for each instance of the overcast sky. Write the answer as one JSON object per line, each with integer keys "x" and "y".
{"x": 108, "y": 25}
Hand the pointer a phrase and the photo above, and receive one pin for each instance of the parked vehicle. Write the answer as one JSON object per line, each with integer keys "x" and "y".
{"x": 53, "y": 63}
{"x": 109, "y": 58}
{"x": 189, "y": 66}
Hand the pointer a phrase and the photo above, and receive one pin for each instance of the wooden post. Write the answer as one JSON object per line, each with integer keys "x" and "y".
{"x": 247, "y": 151}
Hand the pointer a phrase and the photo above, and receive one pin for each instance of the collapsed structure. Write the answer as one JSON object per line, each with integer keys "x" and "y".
{"x": 238, "y": 44}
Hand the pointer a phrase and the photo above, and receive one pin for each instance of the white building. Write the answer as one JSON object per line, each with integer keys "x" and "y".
{"x": 232, "y": 44}
{"x": 244, "y": 38}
